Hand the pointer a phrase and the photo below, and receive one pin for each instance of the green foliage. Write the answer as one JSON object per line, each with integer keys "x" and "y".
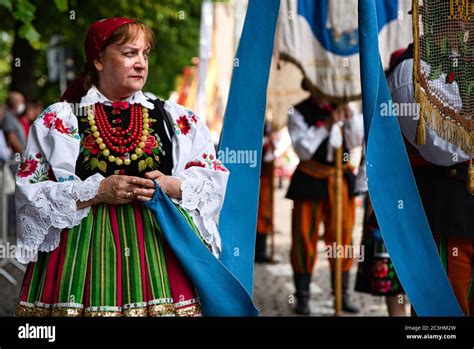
{"x": 7, "y": 4}
{"x": 25, "y": 11}
{"x": 28, "y": 32}
{"x": 61, "y": 5}
{"x": 174, "y": 22}
{"x": 6, "y": 42}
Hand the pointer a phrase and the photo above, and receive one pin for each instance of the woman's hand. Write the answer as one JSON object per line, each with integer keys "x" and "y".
{"x": 120, "y": 190}
{"x": 170, "y": 185}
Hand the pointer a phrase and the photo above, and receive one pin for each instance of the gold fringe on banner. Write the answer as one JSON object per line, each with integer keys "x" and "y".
{"x": 420, "y": 137}
{"x": 449, "y": 130}
{"x": 431, "y": 116}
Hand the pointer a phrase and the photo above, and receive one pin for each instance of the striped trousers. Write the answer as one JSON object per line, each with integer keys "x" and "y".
{"x": 306, "y": 219}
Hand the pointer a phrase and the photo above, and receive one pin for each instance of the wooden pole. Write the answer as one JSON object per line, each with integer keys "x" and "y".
{"x": 338, "y": 230}
{"x": 272, "y": 196}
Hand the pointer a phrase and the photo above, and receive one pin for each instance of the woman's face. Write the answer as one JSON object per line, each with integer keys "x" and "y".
{"x": 123, "y": 69}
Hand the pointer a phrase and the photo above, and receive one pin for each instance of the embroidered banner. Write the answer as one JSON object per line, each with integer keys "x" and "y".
{"x": 321, "y": 37}
{"x": 444, "y": 71}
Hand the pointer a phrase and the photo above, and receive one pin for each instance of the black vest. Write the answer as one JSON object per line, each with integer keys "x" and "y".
{"x": 303, "y": 186}
{"x": 158, "y": 155}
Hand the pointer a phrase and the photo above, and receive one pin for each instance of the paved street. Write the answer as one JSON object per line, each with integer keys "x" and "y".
{"x": 273, "y": 290}
{"x": 8, "y": 292}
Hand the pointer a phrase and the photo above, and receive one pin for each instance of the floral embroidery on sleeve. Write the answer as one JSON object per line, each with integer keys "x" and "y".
{"x": 194, "y": 163}
{"x": 52, "y": 121}
{"x": 208, "y": 161}
{"x": 35, "y": 167}
{"x": 184, "y": 123}
{"x": 48, "y": 118}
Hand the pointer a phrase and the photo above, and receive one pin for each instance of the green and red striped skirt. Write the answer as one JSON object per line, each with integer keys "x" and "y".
{"x": 115, "y": 263}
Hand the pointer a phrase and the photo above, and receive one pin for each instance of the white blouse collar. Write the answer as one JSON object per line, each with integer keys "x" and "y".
{"x": 94, "y": 96}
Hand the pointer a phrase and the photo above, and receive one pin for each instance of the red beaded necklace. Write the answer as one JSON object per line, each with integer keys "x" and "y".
{"x": 114, "y": 139}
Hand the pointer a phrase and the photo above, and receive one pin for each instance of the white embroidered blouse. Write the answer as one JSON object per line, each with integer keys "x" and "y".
{"x": 46, "y": 207}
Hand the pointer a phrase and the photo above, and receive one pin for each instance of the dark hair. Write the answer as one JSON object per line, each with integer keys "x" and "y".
{"x": 125, "y": 33}
{"x": 12, "y": 95}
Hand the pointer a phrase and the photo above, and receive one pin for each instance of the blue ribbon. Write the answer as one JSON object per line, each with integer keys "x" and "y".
{"x": 225, "y": 286}
{"x": 243, "y": 130}
{"x": 393, "y": 190}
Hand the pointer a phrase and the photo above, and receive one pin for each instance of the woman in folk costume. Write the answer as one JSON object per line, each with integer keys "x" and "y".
{"x": 376, "y": 273}
{"x": 93, "y": 249}
{"x": 436, "y": 72}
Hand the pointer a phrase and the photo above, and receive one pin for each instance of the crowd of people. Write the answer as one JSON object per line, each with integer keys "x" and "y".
{"x": 16, "y": 117}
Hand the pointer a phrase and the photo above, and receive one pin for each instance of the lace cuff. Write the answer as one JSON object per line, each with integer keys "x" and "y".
{"x": 52, "y": 209}
{"x": 200, "y": 192}
{"x": 201, "y": 196}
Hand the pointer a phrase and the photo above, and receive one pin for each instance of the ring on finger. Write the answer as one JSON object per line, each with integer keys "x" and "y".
{"x": 129, "y": 194}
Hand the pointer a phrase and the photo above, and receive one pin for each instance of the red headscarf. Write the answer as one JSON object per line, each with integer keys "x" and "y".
{"x": 97, "y": 36}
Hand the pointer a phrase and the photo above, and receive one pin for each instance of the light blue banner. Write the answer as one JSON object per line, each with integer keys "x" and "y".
{"x": 243, "y": 131}
{"x": 393, "y": 190}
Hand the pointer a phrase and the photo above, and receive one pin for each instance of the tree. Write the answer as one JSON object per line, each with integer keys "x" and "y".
{"x": 175, "y": 23}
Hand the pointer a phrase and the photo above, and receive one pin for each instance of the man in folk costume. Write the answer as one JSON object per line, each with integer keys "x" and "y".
{"x": 436, "y": 74}
{"x": 315, "y": 130}
{"x": 265, "y": 199}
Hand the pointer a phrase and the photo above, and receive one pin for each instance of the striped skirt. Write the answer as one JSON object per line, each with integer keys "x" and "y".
{"x": 115, "y": 263}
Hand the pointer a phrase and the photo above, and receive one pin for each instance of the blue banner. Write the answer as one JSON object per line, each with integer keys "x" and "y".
{"x": 243, "y": 131}
{"x": 393, "y": 190}
{"x": 316, "y": 14}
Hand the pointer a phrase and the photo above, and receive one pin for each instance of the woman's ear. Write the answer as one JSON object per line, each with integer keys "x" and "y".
{"x": 99, "y": 66}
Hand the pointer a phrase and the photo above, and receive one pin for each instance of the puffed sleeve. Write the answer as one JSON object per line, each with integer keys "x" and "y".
{"x": 203, "y": 177}
{"x": 47, "y": 188}
{"x": 305, "y": 138}
{"x": 354, "y": 129}
{"x": 436, "y": 150}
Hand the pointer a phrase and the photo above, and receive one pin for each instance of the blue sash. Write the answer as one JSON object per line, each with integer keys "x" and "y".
{"x": 393, "y": 190}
